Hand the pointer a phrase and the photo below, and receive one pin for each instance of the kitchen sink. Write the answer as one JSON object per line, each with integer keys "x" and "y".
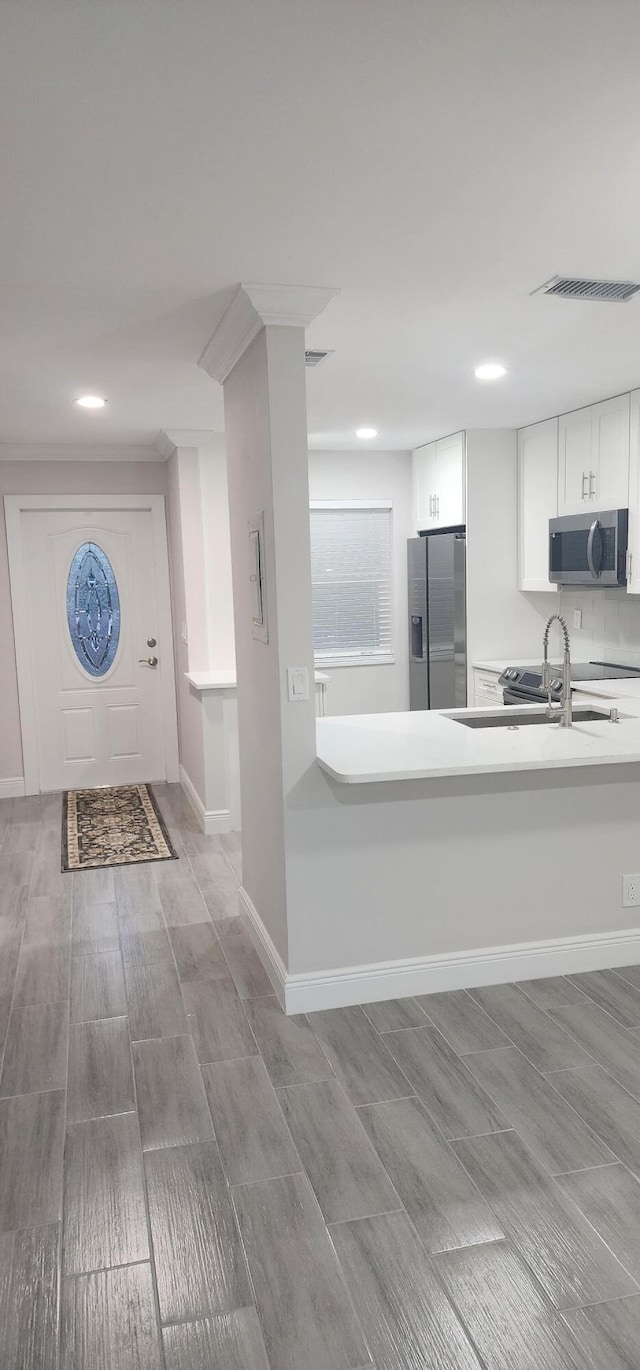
{"x": 509, "y": 719}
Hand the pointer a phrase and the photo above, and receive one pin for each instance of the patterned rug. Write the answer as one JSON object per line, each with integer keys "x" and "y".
{"x": 112, "y": 827}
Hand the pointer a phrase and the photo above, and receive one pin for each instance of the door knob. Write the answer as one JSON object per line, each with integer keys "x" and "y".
{"x": 148, "y": 661}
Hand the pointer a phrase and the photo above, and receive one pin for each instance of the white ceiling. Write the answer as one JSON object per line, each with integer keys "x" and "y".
{"x": 436, "y": 159}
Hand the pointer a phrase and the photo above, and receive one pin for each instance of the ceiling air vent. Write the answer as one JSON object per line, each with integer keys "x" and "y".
{"x": 314, "y": 358}
{"x": 575, "y": 288}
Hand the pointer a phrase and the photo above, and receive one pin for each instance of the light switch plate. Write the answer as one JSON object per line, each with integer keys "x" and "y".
{"x": 577, "y": 618}
{"x": 297, "y": 683}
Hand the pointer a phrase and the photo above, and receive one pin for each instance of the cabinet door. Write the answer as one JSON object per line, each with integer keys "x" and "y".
{"x": 486, "y": 690}
{"x": 609, "y": 475}
{"x": 425, "y": 480}
{"x": 450, "y": 490}
{"x": 575, "y": 461}
{"x": 537, "y": 502}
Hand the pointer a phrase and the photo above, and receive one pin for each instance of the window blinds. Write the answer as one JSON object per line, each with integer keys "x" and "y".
{"x": 351, "y": 563}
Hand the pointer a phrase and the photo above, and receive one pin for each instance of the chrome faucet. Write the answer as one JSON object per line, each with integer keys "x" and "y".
{"x": 564, "y": 713}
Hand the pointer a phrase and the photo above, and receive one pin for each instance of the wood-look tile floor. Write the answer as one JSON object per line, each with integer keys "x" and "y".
{"x": 189, "y": 1180}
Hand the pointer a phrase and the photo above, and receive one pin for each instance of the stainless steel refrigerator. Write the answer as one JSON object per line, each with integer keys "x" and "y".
{"x": 437, "y": 619}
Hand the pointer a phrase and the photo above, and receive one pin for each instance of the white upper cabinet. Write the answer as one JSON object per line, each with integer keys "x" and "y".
{"x": 450, "y": 493}
{"x": 574, "y": 460}
{"x": 439, "y": 482}
{"x": 593, "y": 457}
{"x": 425, "y": 468}
{"x": 537, "y": 502}
{"x": 610, "y": 449}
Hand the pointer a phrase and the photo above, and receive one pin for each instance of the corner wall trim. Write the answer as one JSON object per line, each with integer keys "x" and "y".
{"x": 252, "y": 307}
{"x": 458, "y": 970}
{"x": 266, "y": 948}
{"x": 211, "y": 821}
{"x": 12, "y": 788}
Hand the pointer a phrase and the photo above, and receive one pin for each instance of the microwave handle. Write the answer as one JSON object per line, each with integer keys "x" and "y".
{"x": 590, "y": 541}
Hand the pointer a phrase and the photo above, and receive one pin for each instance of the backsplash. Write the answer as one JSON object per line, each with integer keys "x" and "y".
{"x": 610, "y": 626}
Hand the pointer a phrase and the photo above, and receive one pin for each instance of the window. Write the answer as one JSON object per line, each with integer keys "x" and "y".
{"x": 351, "y": 560}
{"x": 93, "y": 609}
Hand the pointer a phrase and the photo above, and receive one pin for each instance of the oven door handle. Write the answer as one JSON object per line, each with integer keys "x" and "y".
{"x": 595, "y": 528}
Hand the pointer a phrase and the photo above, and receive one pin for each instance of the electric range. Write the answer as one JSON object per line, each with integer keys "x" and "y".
{"x": 523, "y": 684}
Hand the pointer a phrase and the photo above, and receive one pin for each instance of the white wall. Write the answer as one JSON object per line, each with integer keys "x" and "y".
{"x": 217, "y": 547}
{"x": 502, "y": 622}
{"x": 372, "y": 475}
{"x": 200, "y": 560}
{"x": 180, "y": 528}
{"x": 610, "y": 629}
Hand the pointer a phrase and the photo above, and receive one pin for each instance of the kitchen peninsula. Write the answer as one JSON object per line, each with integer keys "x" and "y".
{"x": 429, "y": 856}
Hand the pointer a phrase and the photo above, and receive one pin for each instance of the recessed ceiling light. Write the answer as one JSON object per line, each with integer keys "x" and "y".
{"x": 91, "y": 402}
{"x": 490, "y": 371}
{"x": 366, "y": 432}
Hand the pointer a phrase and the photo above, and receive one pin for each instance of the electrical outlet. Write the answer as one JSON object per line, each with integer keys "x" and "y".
{"x": 630, "y": 891}
{"x": 577, "y": 618}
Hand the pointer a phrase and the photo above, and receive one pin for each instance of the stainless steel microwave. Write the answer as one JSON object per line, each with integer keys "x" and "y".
{"x": 589, "y": 549}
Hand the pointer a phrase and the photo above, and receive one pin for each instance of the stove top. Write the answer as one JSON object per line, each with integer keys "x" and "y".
{"x": 526, "y": 681}
{"x": 602, "y": 671}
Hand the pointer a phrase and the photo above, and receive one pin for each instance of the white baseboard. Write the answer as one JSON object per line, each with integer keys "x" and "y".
{"x": 13, "y": 788}
{"x": 266, "y": 949}
{"x": 457, "y": 970}
{"x": 211, "y": 821}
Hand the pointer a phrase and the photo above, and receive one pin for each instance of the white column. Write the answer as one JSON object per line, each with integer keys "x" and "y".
{"x": 257, "y": 352}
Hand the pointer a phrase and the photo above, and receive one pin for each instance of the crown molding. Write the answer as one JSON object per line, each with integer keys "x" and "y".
{"x": 58, "y": 451}
{"x": 169, "y": 439}
{"x": 254, "y": 307}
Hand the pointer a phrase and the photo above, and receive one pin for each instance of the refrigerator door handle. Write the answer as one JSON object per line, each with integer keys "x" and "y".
{"x": 417, "y": 637}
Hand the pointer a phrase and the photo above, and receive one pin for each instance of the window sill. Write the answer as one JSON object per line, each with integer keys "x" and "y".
{"x": 334, "y": 663}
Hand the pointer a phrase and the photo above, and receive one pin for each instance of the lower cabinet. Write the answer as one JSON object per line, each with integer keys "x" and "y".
{"x": 486, "y": 689}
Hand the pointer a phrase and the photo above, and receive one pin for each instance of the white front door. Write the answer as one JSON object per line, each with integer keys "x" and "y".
{"x": 99, "y": 644}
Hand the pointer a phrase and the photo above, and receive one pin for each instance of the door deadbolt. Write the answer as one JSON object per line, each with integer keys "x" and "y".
{"x": 151, "y": 642}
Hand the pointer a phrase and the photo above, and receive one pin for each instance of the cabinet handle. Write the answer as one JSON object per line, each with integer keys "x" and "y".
{"x": 628, "y": 567}
{"x": 437, "y": 506}
{"x": 430, "y": 506}
{"x": 592, "y": 482}
{"x": 584, "y": 484}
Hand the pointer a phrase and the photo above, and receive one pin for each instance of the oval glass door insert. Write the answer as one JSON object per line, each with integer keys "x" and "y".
{"x": 93, "y": 609}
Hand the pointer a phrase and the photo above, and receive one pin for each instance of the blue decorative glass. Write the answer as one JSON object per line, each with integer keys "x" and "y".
{"x": 93, "y": 609}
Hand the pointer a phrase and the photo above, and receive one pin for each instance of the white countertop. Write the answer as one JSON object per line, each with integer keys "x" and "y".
{"x": 369, "y": 748}
{"x": 497, "y": 667}
{"x": 226, "y": 680}
{"x": 212, "y": 680}
{"x": 611, "y": 689}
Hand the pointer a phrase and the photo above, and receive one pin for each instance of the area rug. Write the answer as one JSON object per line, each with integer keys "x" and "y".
{"x": 112, "y": 827}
